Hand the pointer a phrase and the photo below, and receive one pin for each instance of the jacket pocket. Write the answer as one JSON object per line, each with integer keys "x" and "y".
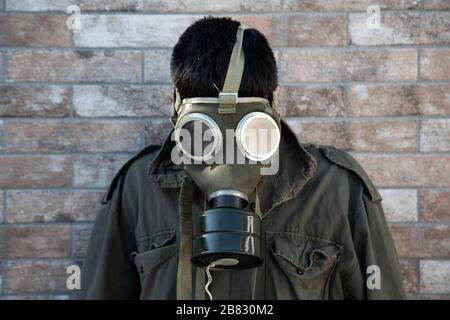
{"x": 299, "y": 266}
{"x": 156, "y": 264}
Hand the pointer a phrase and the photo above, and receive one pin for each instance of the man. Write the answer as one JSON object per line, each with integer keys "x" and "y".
{"x": 313, "y": 229}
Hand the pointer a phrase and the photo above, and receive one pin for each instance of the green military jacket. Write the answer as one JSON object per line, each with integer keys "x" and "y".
{"x": 323, "y": 227}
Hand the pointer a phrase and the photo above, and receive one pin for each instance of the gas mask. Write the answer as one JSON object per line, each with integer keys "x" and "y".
{"x": 225, "y": 143}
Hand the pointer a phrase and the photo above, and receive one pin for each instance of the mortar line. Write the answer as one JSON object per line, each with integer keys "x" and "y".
{"x": 72, "y": 170}
{"x": 55, "y": 190}
{"x": 5, "y": 136}
{"x": 48, "y": 224}
{"x": 66, "y": 154}
{"x": 418, "y": 205}
{"x": 66, "y": 120}
{"x": 3, "y": 142}
{"x": 5, "y": 207}
{"x": 143, "y": 66}
{"x": 168, "y": 84}
{"x": 235, "y": 13}
{"x": 71, "y": 241}
{"x": 346, "y": 101}
{"x": 38, "y": 84}
{"x": 168, "y": 48}
{"x": 3, "y": 66}
{"x": 419, "y": 284}
{"x": 102, "y": 188}
{"x": 356, "y": 119}
{"x": 347, "y": 30}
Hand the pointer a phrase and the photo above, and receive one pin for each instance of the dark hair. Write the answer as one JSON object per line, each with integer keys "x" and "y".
{"x": 201, "y": 56}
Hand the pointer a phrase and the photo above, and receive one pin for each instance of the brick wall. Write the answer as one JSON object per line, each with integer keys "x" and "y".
{"x": 74, "y": 105}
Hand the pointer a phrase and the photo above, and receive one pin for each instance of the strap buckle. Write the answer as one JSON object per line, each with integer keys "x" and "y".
{"x": 228, "y": 102}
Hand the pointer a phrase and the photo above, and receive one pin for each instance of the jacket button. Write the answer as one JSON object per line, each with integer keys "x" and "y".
{"x": 141, "y": 269}
{"x": 299, "y": 271}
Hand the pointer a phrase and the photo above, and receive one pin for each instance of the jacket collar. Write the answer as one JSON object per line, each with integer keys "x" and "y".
{"x": 296, "y": 167}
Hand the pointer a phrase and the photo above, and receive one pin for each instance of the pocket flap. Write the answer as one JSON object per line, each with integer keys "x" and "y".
{"x": 300, "y": 250}
{"x": 154, "y": 250}
{"x": 146, "y": 260}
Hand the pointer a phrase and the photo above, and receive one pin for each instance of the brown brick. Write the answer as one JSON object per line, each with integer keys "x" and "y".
{"x": 157, "y": 66}
{"x": 400, "y": 28}
{"x": 435, "y": 64}
{"x": 399, "y": 100}
{"x": 155, "y": 131}
{"x": 435, "y": 276}
{"x": 298, "y": 30}
{"x": 408, "y": 272}
{"x": 435, "y": 205}
{"x": 96, "y": 170}
{"x": 423, "y": 241}
{"x": 435, "y": 135}
{"x": 437, "y": 4}
{"x": 359, "y": 135}
{"x": 269, "y": 25}
{"x": 42, "y": 241}
{"x": 81, "y": 237}
{"x": 36, "y": 276}
{"x": 90, "y": 136}
{"x": 400, "y": 204}
{"x": 311, "y": 101}
{"x": 50, "y": 101}
{"x": 52, "y": 206}
{"x": 85, "y": 5}
{"x": 304, "y": 31}
{"x": 122, "y": 101}
{"x": 407, "y": 170}
{"x": 125, "y": 30}
{"x": 211, "y": 6}
{"x": 34, "y": 31}
{"x": 307, "y": 65}
{"x": 68, "y": 66}
{"x": 34, "y": 171}
{"x": 346, "y": 5}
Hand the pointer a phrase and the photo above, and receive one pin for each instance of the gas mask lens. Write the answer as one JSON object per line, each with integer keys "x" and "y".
{"x": 258, "y": 136}
{"x": 197, "y": 136}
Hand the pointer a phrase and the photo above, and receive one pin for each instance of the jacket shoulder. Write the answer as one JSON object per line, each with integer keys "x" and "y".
{"x": 346, "y": 161}
{"x": 147, "y": 151}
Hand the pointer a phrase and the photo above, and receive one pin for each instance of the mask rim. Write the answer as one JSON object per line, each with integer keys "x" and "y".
{"x": 212, "y": 125}
{"x": 240, "y": 128}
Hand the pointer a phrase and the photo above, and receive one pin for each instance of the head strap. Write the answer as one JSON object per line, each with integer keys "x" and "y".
{"x": 228, "y": 97}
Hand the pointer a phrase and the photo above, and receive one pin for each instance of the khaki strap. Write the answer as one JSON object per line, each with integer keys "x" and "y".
{"x": 176, "y": 107}
{"x": 184, "y": 273}
{"x": 229, "y": 95}
{"x": 199, "y": 283}
{"x": 184, "y": 268}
